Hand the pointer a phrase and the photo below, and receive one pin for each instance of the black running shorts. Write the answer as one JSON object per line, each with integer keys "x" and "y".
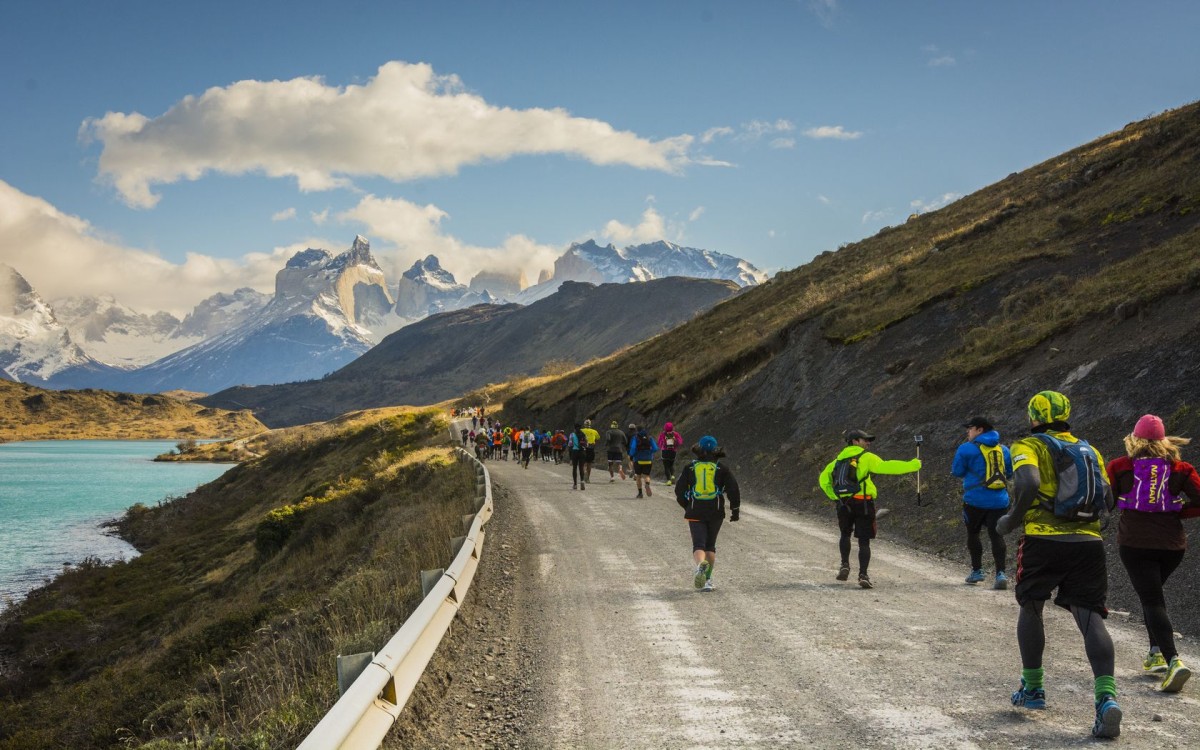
{"x": 704, "y": 533}
{"x": 857, "y": 517}
{"x": 614, "y": 457}
{"x": 589, "y": 455}
{"x": 1077, "y": 569}
{"x": 976, "y": 519}
{"x": 642, "y": 467}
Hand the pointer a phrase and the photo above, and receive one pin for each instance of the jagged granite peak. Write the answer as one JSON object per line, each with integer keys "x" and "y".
{"x": 221, "y": 312}
{"x": 34, "y": 345}
{"x": 307, "y": 258}
{"x": 430, "y": 271}
{"x": 663, "y": 258}
{"x": 545, "y": 275}
{"x": 500, "y": 283}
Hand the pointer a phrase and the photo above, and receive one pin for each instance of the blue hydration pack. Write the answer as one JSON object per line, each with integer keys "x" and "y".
{"x": 1081, "y": 482}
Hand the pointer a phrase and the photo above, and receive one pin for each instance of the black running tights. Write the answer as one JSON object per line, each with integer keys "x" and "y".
{"x": 576, "y": 467}
{"x": 1148, "y": 570}
{"x": 864, "y": 553}
{"x": 1097, "y": 643}
{"x": 975, "y": 548}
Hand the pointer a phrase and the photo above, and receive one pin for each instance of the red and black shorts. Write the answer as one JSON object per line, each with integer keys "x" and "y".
{"x": 1078, "y": 570}
{"x": 857, "y": 517}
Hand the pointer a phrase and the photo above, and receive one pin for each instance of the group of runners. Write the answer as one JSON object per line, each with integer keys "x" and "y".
{"x": 1052, "y": 485}
{"x": 1056, "y": 488}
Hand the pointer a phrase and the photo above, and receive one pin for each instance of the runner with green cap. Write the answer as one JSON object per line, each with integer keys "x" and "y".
{"x": 1060, "y": 491}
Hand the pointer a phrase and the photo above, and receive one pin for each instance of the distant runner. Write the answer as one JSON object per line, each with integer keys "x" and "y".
{"x": 577, "y": 443}
{"x": 985, "y": 467}
{"x": 641, "y": 450}
{"x": 528, "y": 437}
{"x": 847, "y": 481}
{"x": 559, "y": 444}
{"x": 589, "y": 458}
{"x": 1060, "y": 491}
{"x": 703, "y": 486}
{"x": 1151, "y": 483}
{"x": 616, "y": 444}
{"x": 669, "y": 442}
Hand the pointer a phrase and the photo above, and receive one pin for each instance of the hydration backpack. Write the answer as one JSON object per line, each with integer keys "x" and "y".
{"x": 1150, "y": 493}
{"x": 1081, "y": 482}
{"x": 706, "y": 488}
{"x": 669, "y": 441}
{"x": 993, "y": 462}
{"x": 845, "y": 476}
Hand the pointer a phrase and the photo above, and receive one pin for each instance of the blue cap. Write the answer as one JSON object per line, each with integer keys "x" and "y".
{"x": 708, "y": 444}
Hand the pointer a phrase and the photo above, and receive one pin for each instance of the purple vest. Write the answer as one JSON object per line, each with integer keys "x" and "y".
{"x": 1150, "y": 493}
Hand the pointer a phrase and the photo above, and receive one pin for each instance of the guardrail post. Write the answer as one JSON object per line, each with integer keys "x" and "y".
{"x": 429, "y": 579}
{"x": 467, "y": 520}
{"x": 456, "y": 544}
{"x": 349, "y": 667}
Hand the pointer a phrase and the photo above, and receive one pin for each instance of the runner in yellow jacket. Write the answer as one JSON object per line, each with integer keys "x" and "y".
{"x": 847, "y": 481}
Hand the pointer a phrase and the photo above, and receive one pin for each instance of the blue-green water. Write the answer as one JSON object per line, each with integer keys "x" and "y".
{"x": 54, "y": 494}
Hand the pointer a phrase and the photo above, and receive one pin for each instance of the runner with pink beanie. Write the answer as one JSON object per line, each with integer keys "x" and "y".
{"x": 1155, "y": 490}
{"x": 669, "y": 442}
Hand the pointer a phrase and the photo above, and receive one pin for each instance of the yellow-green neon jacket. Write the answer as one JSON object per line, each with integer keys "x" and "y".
{"x": 868, "y": 464}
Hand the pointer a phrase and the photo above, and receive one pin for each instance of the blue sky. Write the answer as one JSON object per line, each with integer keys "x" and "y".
{"x": 494, "y": 134}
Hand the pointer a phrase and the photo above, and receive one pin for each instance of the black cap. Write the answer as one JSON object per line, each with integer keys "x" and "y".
{"x": 852, "y": 435}
{"x": 982, "y": 423}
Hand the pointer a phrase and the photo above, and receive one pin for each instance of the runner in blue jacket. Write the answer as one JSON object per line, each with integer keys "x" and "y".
{"x": 985, "y": 467}
{"x": 642, "y": 448}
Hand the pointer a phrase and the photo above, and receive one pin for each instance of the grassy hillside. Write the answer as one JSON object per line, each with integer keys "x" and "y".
{"x": 223, "y": 632}
{"x": 28, "y": 413}
{"x": 1080, "y": 274}
{"x": 1081, "y": 227}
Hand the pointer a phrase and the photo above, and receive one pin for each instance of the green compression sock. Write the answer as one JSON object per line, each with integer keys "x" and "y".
{"x": 711, "y": 565}
{"x": 1034, "y": 678}
{"x": 1106, "y": 685}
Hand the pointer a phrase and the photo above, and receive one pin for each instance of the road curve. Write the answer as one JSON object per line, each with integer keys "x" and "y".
{"x": 781, "y": 654}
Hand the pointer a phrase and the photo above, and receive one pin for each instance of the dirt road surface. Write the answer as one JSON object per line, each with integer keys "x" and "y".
{"x": 608, "y": 645}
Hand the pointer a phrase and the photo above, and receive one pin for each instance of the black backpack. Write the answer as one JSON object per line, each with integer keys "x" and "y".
{"x": 845, "y": 476}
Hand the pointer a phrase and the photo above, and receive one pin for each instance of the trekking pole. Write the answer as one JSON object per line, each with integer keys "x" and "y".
{"x": 918, "y": 439}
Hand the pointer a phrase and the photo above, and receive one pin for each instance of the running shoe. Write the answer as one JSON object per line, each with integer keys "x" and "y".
{"x": 611, "y": 480}
{"x": 701, "y": 576}
{"x": 649, "y": 492}
{"x": 843, "y": 573}
{"x": 708, "y": 585}
{"x": 1177, "y": 675}
{"x": 1108, "y": 718}
{"x": 975, "y": 577}
{"x": 582, "y": 486}
{"x": 670, "y": 481}
{"x": 864, "y": 581}
{"x": 1001, "y": 582}
{"x": 1155, "y": 663}
{"x": 639, "y": 494}
{"x": 1029, "y": 697}
{"x": 575, "y": 486}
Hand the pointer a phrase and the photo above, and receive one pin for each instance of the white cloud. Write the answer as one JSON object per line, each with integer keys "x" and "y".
{"x": 756, "y": 129}
{"x": 824, "y": 200}
{"x": 408, "y": 232}
{"x": 63, "y": 255}
{"x": 712, "y": 133}
{"x": 651, "y": 228}
{"x": 824, "y": 10}
{"x": 870, "y": 217}
{"x": 943, "y": 61}
{"x": 320, "y": 217}
{"x": 771, "y": 233}
{"x": 921, "y": 206}
{"x": 696, "y": 213}
{"x": 783, "y": 143}
{"x": 284, "y": 215}
{"x": 405, "y": 123}
{"x": 832, "y": 131}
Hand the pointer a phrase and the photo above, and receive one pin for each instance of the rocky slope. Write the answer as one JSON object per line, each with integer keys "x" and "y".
{"x": 448, "y": 354}
{"x": 1080, "y": 274}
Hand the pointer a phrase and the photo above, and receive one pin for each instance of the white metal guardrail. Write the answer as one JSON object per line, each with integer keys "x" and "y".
{"x": 368, "y": 708}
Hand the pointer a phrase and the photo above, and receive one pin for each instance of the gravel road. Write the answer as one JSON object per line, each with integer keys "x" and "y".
{"x": 606, "y": 644}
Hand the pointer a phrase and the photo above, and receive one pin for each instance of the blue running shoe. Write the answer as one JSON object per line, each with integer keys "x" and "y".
{"x": 1001, "y": 582}
{"x": 1029, "y": 697}
{"x": 975, "y": 577}
{"x": 1108, "y": 718}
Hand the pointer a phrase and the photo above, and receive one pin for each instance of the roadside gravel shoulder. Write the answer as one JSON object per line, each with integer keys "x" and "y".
{"x": 482, "y": 688}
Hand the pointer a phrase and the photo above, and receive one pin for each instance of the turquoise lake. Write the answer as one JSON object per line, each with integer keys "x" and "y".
{"x": 54, "y": 494}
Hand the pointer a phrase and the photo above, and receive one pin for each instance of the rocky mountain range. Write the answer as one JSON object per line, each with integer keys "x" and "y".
{"x": 449, "y": 353}
{"x": 326, "y": 310}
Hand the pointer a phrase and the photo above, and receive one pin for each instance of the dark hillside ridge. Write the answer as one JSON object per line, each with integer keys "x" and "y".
{"x": 1081, "y": 274}
{"x": 451, "y": 353}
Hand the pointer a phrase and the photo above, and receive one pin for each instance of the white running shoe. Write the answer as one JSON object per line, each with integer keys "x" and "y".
{"x": 708, "y": 585}
{"x": 701, "y": 577}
